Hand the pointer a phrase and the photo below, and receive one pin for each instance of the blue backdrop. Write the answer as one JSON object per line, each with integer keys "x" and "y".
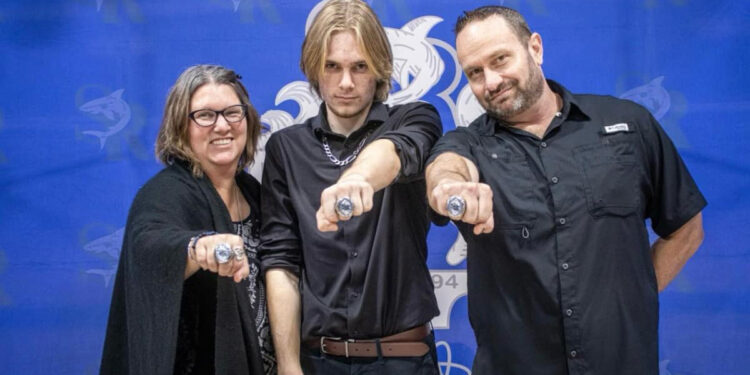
{"x": 84, "y": 83}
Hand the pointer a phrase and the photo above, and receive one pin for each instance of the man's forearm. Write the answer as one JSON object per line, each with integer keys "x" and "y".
{"x": 378, "y": 165}
{"x": 284, "y": 312}
{"x": 449, "y": 167}
{"x": 670, "y": 254}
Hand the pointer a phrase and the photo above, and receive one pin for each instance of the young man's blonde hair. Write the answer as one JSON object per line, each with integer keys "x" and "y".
{"x": 358, "y": 17}
{"x": 173, "y": 140}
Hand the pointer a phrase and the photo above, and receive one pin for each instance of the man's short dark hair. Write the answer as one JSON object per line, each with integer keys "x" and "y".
{"x": 514, "y": 19}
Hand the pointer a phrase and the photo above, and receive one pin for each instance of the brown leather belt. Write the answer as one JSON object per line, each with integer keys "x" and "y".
{"x": 409, "y": 343}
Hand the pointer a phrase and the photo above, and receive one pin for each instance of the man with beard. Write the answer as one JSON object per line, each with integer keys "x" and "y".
{"x": 551, "y": 191}
{"x": 345, "y": 219}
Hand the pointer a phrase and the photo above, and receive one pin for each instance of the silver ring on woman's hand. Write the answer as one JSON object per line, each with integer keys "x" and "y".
{"x": 456, "y": 206}
{"x": 239, "y": 252}
{"x": 344, "y": 208}
{"x": 223, "y": 253}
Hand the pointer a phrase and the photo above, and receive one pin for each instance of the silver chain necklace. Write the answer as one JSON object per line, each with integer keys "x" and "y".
{"x": 349, "y": 158}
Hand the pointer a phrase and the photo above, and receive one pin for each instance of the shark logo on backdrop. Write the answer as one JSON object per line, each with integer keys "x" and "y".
{"x": 114, "y": 109}
{"x": 652, "y": 95}
{"x": 417, "y": 66}
{"x": 106, "y": 248}
{"x": 274, "y": 119}
{"x": 118, "y": 121}
{"x": 660, "y": 103}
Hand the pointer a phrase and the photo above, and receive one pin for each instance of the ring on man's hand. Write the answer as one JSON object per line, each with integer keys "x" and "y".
{"x": 344, "y": 208}
{"x": 456, "y": 206}
{"x": 223, "y": 253}
{"x": 239, "y": 252}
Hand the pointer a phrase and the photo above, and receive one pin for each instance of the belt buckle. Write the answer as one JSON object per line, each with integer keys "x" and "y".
{"x": 346, "y": 344}
{"x": 323, "y": 345}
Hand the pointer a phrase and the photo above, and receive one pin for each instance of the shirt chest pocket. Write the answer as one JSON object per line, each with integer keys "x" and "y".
{"x": 512, "y": 181}
{"x": 612, "y": 176}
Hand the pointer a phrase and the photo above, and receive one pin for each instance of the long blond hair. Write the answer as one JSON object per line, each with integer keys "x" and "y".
{"x": 358, "y": 17}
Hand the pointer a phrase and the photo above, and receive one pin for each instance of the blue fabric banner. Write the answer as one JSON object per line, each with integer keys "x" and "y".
{"x": 83, "y": 89}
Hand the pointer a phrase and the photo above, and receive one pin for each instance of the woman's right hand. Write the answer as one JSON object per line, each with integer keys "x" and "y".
{"x": 203, "y": 256}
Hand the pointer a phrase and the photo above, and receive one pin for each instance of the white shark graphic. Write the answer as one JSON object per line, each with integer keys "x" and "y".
{"x": 467, "y": 107}
{"x": 109, "y": 247}
{"x": 457, "y": 253}
{"x": 417, "y": 66}
{"x": 106, "y": 274}
{"x": 309, "y": 104}
{"x": 302, "y": 94}
{"x": 113, "y": 108}
{"x": 652, "y": 96}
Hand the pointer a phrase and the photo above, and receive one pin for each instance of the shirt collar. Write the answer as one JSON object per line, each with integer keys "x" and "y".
{"x": 571, "y": 110}
{"x": 378, "y": 114}
{"x": 571, "y": 107}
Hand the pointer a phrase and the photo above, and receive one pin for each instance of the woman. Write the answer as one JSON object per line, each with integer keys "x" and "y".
{"x": 187, "y": 297}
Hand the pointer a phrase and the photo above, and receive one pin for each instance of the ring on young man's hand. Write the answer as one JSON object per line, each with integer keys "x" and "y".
{"x": 223, "y": 253}
{"x": 456, "y": 206}
{"x": 344, "y": 208}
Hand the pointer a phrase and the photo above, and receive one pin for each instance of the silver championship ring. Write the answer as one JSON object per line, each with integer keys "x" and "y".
{"x": 223, "y": 253}
{"x": 344, "y": 208}
{"x": 456, "y": 206}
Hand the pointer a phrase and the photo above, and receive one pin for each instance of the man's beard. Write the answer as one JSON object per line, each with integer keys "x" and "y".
{"x": 524, "y": 98}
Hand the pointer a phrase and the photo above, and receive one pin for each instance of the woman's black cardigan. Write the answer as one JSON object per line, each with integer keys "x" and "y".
{"x": 152, "y": 304}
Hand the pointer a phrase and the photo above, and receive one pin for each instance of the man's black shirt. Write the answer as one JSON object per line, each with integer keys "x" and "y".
{"x": 369, "y": 279}
{"x": 565, "y": 282}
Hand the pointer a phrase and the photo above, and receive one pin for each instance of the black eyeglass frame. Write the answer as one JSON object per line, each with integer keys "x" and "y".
{"x": 191, "y": 115}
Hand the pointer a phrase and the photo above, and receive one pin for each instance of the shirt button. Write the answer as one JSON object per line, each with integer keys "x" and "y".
{"x": 554, "y": 180}
{"x": 354, "y": 254}
{"x": 558, "y": 114}
{"x": 573, "y": 353}
{"x": 355, "y": 295}
{"x": 543, "y": 144}
{"x": 562, "y": 221}
{"x": 494, "y": 155}
{"x": 565, "y": 266}
{"x": 568, "y": 312}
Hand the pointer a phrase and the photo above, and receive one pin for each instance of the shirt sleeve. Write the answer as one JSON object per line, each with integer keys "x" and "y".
{"x": 160, "y": 226}
{"x": 414, "y": 134}
{"x": 458, "y": 141}
{"x": 279, "y": 236}
{"x": 674, "y": 197}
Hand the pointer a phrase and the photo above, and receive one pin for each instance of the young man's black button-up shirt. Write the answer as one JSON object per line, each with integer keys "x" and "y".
{"x": 565, "y": 283}
{"x": 369, "y": 279}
